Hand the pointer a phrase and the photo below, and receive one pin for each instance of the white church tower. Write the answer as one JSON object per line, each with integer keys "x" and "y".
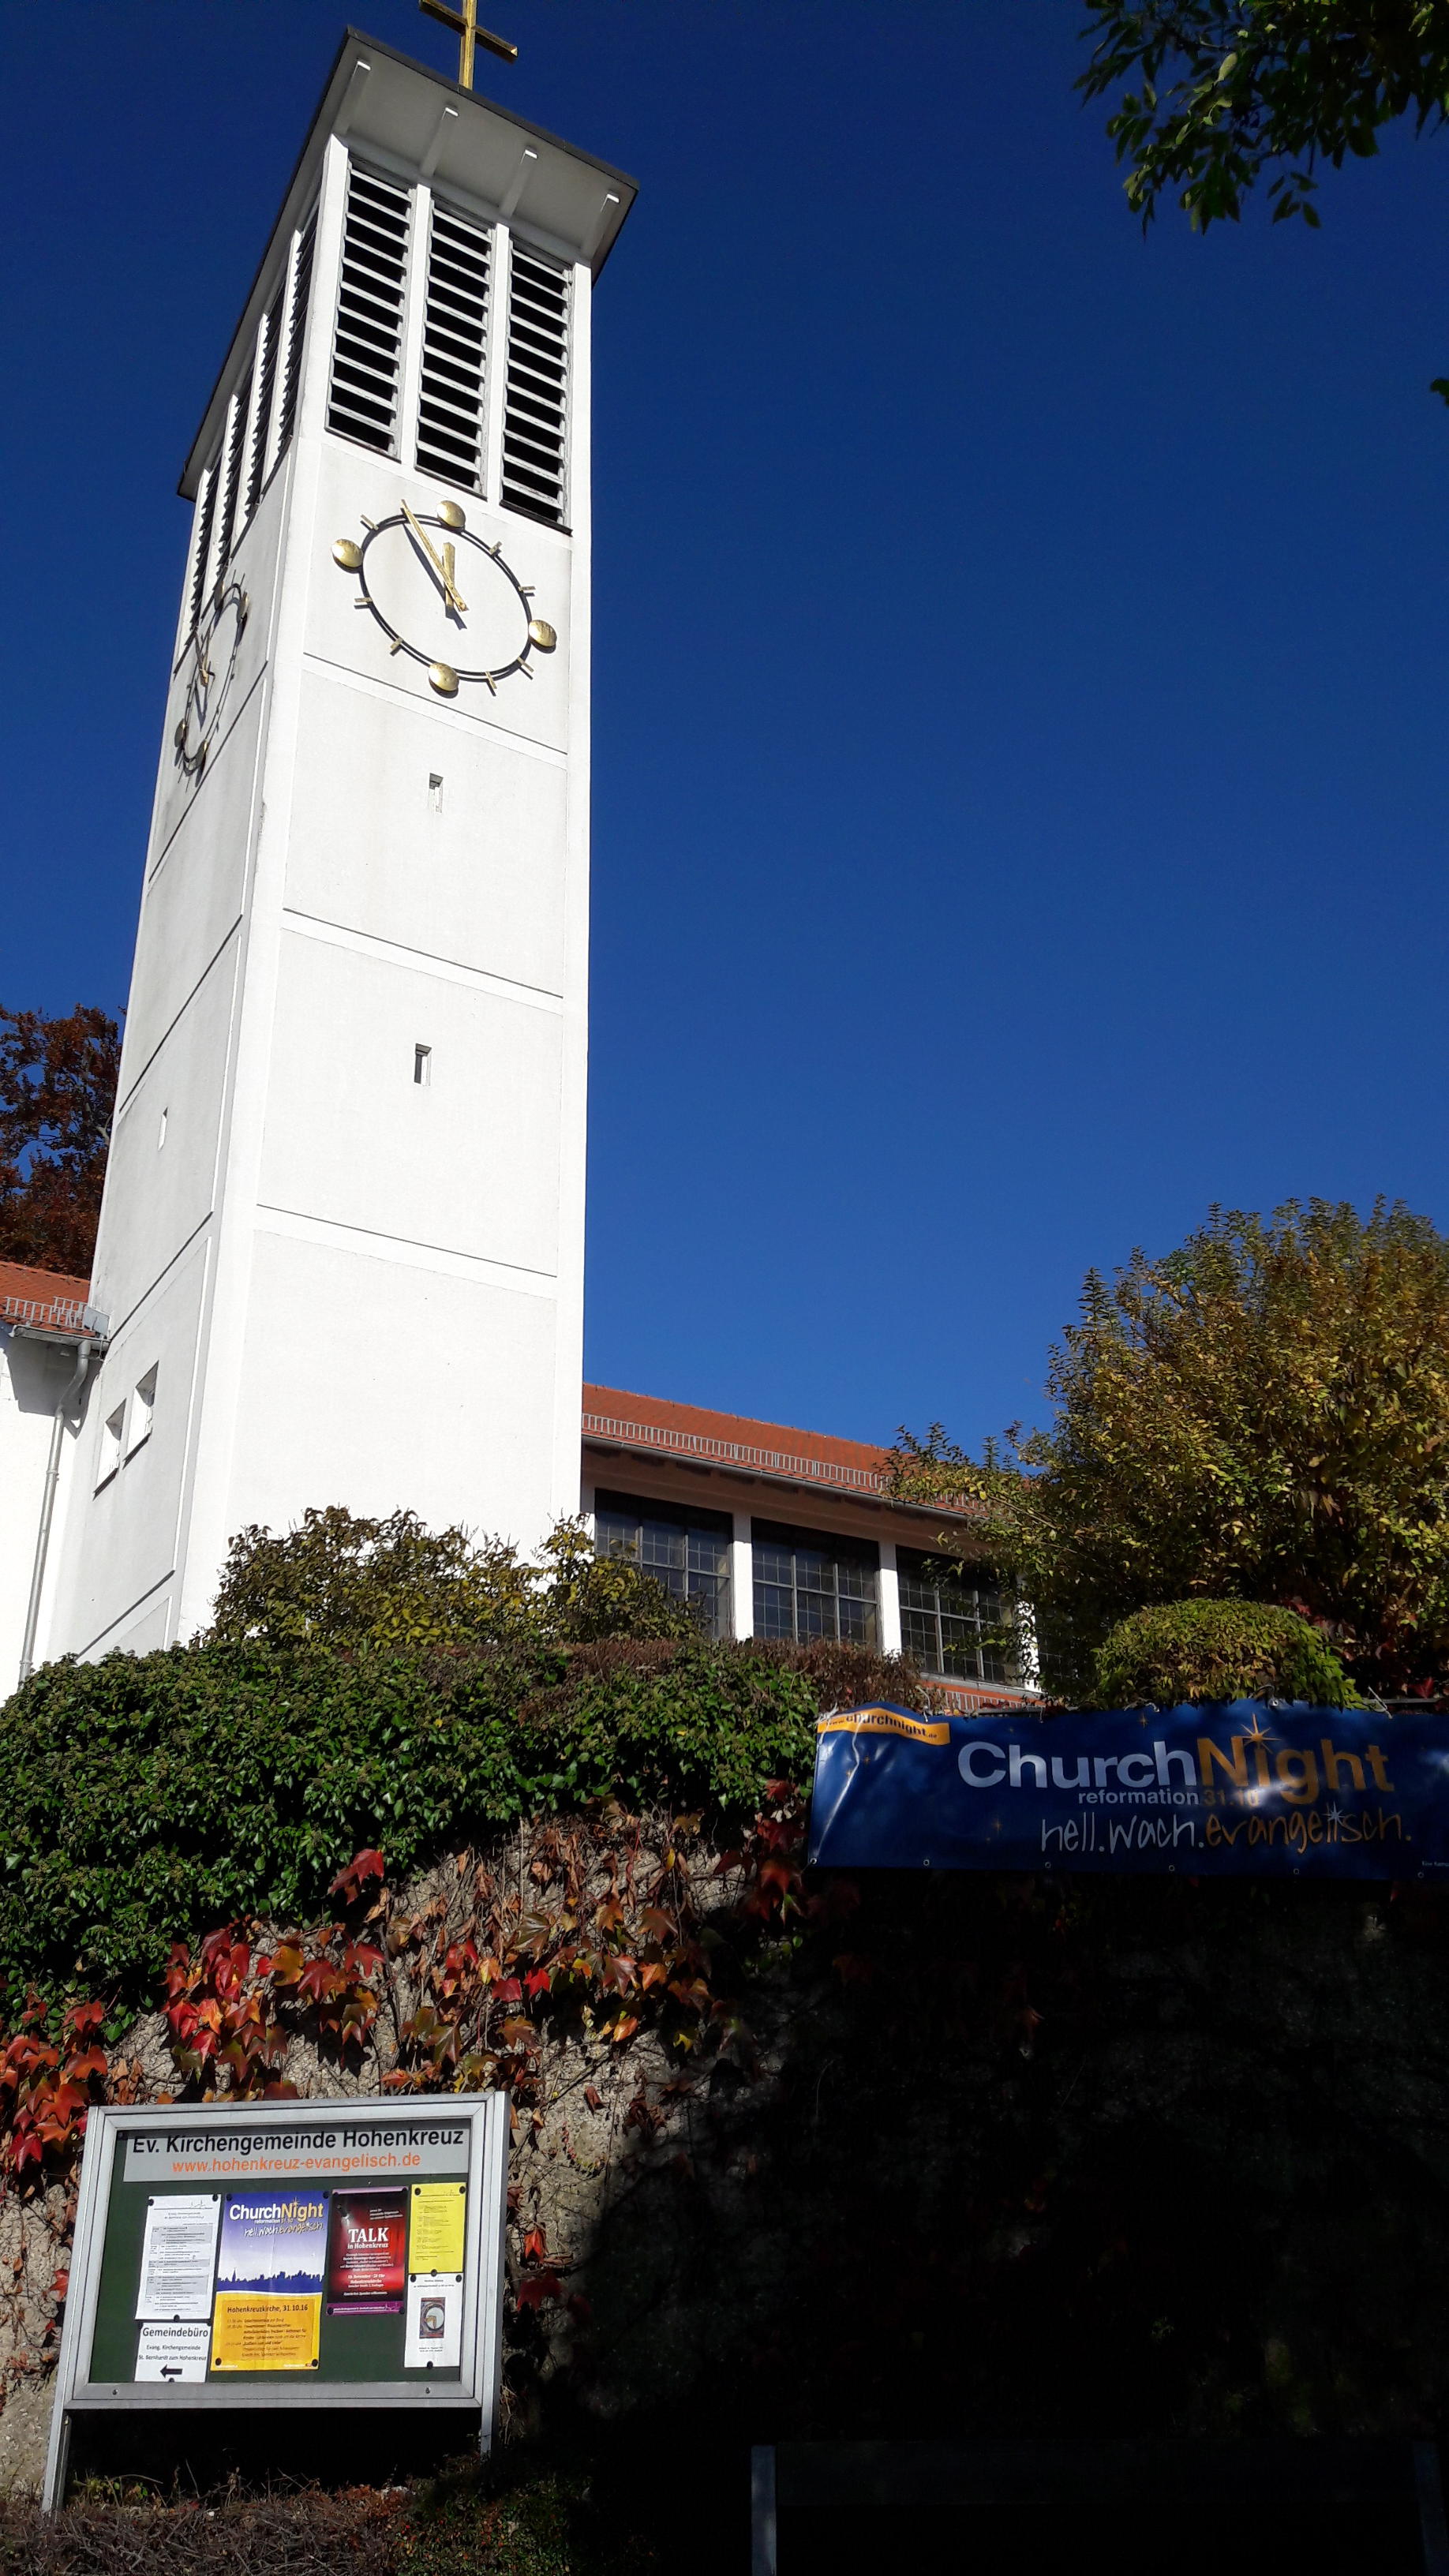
{"x": 342, "y": 1242}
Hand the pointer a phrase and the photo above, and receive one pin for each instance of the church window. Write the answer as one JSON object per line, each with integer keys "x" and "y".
{"x": 688, "y": 1551}
{"x": 112, "y": 1430}
{"x": 451, "y": 395}
{"x": 143, "y": 1411}
{"x": 810, "y": 1585}
{"x": 422, "y": 1066}
{"x": 201, "y": 548}
{"x": 236, "y": 440}
{"x": 266, "y": 385}
{"x": 367, "y": 351}
{"x": 291, "y": 385}
{"x": 535, "y": 436}
{"x": 952, "y": 1618}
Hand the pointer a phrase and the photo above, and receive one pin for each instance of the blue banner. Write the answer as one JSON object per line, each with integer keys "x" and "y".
{"x": 1241, "y": 1787}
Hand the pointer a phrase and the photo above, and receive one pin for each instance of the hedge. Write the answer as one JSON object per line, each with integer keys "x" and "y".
{"x": 152, "y": 1797}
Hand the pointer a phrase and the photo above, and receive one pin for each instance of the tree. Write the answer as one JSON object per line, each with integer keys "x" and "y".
{"x": 57, "y": 1091}
{"x": 1263, "y": 1415}
{"x": 1226, "y": 90}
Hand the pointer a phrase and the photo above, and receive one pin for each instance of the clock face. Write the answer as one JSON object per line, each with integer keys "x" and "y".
{"x": 213, "y": 661}
{"x": 445, "y": 598}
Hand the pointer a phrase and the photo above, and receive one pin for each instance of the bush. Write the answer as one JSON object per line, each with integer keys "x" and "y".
{"x": 149, "y": 1798}
{"x": 1218, "y": 1650}
{"x": 338, "y": 1579}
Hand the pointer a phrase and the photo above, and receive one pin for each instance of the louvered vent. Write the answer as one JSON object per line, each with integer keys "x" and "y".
{"x": 205, "y": 511}
{"x": 367, "y": 353}
{"x": 455, "y": 350}
{"x": 236, "y": 440}
{"x": 535, "y": 402}
{"x": 296, "y": 332}
{"x": 257, "y": 461}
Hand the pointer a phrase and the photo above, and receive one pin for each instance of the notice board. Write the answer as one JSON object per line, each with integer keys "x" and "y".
{"x": 286, "y": 2254}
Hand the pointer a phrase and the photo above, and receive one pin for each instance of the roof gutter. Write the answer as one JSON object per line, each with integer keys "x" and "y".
{"x": 85, "y": 1351}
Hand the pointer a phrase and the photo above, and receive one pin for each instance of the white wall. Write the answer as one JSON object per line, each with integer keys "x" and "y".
{"x": 32, "y": 1377}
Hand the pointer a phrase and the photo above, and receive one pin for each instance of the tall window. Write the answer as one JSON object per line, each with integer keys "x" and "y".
{"x": 951, "y": 1618}
{"x": 687, "y": 1551}
{"x": 809, "y": 1585}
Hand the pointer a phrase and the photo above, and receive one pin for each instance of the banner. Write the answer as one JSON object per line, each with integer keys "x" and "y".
{"x": 1239, "y": 1788}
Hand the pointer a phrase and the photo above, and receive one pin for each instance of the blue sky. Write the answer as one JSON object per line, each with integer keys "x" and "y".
{"x": 1020, "y": 752}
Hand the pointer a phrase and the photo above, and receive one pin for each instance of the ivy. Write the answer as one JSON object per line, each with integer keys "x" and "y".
{"x": 150, "y": 1798}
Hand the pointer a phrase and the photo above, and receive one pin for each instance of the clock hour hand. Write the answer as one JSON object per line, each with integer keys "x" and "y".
{"x": 443, "y": 570}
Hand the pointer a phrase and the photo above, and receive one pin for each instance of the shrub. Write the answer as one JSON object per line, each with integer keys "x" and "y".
{"x": 339, "y": 1579}
{"x": 151, "y": 1797}
{"x": 1217, "y": 1650}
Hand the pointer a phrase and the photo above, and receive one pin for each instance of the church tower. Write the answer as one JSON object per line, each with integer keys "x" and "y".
{"x": 342, "y": 1242}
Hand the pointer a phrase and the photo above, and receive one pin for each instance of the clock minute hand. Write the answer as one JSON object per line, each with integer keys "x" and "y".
{"x": 439, "y": 567}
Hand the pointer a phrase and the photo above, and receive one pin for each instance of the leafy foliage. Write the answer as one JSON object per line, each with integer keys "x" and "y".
{"x": 1224, "y": 90}
{"x": 57, "y": 1090}
{"x": 1261, "y": 1415}
{"x": 1217, "y": 1650}
{"x": 150, "y": 1797}
{"x": 344, "y": 1581}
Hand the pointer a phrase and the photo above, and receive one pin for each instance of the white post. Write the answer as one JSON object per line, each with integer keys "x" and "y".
{"x": 890, "y": 1599}
{"x": 742, "y": 1576}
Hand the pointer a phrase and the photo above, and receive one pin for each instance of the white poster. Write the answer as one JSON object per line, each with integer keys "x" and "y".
{"x": 176, "y": 2350}
{"x": 178, "y": 2255}
{"x": 433, "y": 2336}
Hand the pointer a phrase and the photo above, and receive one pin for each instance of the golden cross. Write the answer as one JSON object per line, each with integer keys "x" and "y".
{"x": 464, "y": 24}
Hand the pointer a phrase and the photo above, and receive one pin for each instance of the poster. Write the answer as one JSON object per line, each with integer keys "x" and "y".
{"x": 435, "y": 2232}
{"x": 366, "y": 2253}
{"x": 173, "y": 2352}
{"x": 178, "y": 2255}
{"x": 268, "y": 2313}
{"x": 433, "y": 2332}
{"x": 1235, "y": 1788}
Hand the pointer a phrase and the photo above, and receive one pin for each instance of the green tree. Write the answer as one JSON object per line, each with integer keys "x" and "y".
{"x": 57, "y": 1091}
{"x": 1216, "y": 93}
{"x": 1263, "y": 1415}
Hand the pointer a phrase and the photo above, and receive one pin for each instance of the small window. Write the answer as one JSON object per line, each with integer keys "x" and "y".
{"x": 435, "y": 791}
{"x": 687, "y": 1551}
{"x": 422, "y": 1066}
{"x": 112, "y": 1430}
{"x": 161, "y": 1129}
{"x": 953, "y": 1619}
{"x": 808, "y": 1584}
{"x": 143, "y": 1407}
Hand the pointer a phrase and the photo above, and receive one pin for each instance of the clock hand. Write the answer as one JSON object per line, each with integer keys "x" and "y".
{"x": 442, "y": 569}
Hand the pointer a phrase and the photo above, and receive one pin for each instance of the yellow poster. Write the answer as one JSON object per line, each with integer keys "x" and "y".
{"x": 435, "y": 2232}
{"x": 268, "y": 2333}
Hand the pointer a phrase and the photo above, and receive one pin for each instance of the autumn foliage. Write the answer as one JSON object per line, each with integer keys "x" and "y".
{"x": 1261, "y": 1415}
{"x": 57, "y": 1091}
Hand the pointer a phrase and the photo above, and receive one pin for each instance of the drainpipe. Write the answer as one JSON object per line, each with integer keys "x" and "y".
{"x": 84, "y": 1353}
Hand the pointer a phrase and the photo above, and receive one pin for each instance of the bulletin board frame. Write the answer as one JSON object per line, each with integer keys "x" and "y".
{"x": 249, "y": 2152}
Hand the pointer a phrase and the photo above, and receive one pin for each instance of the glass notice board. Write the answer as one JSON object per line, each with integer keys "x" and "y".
{"x": 270, "y": 2254}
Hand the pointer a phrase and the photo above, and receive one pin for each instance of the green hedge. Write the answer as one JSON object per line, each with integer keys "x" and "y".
{"x": 1218, "y": 1650}
{"x": 152, "y": 1797}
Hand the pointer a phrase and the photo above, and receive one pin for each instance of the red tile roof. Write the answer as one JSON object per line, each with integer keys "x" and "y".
{"x": 732, "y": 1439}
{"x": 48, "y": 1299}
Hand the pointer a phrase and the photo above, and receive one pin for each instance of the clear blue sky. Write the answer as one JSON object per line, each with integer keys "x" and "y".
{"x": 1021, "y": 683}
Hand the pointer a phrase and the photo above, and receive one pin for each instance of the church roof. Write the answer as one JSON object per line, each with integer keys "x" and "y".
{"x": 657, "y": 1425}
{"x": 47, "y": 1301}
